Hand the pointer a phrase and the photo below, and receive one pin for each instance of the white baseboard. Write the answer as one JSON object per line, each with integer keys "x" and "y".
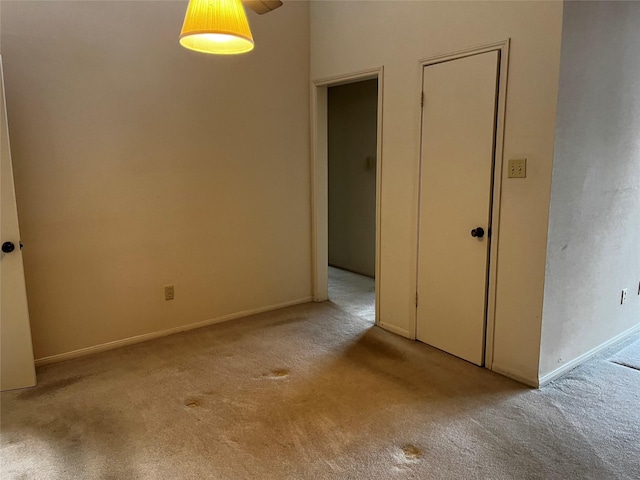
{"x": 530, "y": 382}
{"x": 61, "y": 357}
{"x": 397, "y": 330}
{"x": 558, "y": 372}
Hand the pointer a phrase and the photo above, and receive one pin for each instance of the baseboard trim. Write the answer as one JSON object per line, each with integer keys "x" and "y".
{"x": 530, "y": 382}
{"x": 558, "y": 372}
{"x": 82, "y": 352}
{"x": 397, "y": 330}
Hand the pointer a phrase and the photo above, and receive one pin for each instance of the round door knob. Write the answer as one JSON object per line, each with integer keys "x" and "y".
{"x": 8, "y": 247}
{"x": 477, "y": 232}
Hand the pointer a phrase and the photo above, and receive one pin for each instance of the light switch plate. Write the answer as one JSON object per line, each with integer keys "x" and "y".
{"x": 517, "y": 168}
{"x": 169, "y": 292}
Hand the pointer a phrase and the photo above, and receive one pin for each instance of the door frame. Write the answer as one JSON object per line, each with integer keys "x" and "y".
{"x": 503, "y": 49}
{"x": 320, "y": 180}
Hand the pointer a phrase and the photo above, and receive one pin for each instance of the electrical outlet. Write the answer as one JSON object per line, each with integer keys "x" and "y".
{"x": 517, "y": 168}
{"x": 623, "y": 297}
{"x": 169, "y": 292}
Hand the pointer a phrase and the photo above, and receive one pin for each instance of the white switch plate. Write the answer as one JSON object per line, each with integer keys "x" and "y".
{"x": 169, "y": 292}
{"x": 517, "y": 168}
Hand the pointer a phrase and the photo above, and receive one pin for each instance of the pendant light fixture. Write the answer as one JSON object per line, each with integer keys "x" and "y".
{"x": 216, "y": 26}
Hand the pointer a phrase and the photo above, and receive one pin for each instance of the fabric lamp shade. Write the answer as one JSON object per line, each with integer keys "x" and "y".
{"x": 216, "y": 26}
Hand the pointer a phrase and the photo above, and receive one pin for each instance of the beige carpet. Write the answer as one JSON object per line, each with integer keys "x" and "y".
{"x": 312, "y": 392}
{"x": 629, "y": 357}
{"x": 353, "y": 293}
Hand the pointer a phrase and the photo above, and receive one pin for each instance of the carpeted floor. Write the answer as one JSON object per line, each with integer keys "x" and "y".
{"x": 313, "y": 392}
{"x": 353, "y": 293}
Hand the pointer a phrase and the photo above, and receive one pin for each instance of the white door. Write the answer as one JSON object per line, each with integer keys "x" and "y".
{"x": 456, "y": 180}
{"x": 17, "y": 369}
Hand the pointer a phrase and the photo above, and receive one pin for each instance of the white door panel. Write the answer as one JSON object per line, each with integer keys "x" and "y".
{"x": 458, "y": 133}
{"x": 16, "y": 351}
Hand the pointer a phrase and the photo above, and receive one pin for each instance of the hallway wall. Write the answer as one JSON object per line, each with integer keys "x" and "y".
{"x": 594, "y": 228}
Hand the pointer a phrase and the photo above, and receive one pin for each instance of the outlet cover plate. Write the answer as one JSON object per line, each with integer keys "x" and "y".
{"x": 517, "y": 168}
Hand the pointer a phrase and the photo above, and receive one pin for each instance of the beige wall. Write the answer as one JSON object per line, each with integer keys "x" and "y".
{"x": 352, "y": 111}
{"x": 139, "y": 164}
{"x": 347, "y": 37}
{"x": 594, "y": 226}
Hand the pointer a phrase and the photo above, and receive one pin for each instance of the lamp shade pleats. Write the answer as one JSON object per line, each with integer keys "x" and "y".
{"x": 216, "y": 26}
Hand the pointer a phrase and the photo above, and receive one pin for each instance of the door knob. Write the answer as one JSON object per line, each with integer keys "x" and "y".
{"x": 477, "y": 232}
{"x": 8, "y": 247}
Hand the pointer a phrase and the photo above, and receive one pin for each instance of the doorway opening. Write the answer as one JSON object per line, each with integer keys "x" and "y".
{"x": 346, "y": 192}
{"x": 352, "y": 111}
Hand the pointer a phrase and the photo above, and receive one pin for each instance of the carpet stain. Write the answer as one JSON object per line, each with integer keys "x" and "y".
{"x": 278, "y": 373}
{"x": 411, "y": 453}
{"x": 193, "y": 403}
{"x": 48, "y": 389}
